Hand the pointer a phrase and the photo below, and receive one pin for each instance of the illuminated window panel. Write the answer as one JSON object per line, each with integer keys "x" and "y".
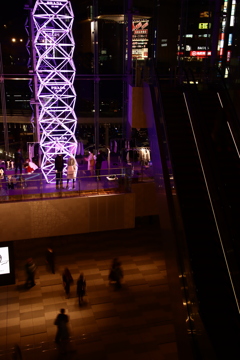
{"x": 204, "y": 25}
{"x": 225, "y": 5}
{"x": 233, "y": 9}
{"x": 205, "y": 14}
{"x": 54, "y": 45}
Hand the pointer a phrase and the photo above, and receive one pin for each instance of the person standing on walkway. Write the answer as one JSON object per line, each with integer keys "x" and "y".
{"x": 18, "y": 161}
{"x": 98, "y": 165}
{"x": 30, "y": 271}
{"x": 61, "y": 322}
{"x": 72, "y": 168}
{"x": 50, "y": 259}
{"x": 91, "y": 162}
{"x": 81, "y": 288}
{"x": 67, "y": 281}
{"x": 59, "y": 165}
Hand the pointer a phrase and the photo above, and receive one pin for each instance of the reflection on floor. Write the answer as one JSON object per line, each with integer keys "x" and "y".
{"x": 134, "y": 323}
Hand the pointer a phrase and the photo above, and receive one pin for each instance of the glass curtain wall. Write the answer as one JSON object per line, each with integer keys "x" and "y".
{"x": 104, "y": 70}
{"x": 99, "y": 33}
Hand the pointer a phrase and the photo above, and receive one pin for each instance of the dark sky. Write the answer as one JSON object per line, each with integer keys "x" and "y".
{"x": 13, "y": 16}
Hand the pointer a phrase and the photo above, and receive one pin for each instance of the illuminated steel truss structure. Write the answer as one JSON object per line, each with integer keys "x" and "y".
{"x": 54, "y": 46}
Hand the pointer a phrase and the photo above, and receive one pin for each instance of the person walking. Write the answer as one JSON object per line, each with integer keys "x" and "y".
{"x": 81, "y": 288}
{"x": 30, "y": 271}
{"x": 67, "y": 281}
{"x": 61, "y": 322}
{"x": 17, "y": 353}
{"x": 116, "y": 273}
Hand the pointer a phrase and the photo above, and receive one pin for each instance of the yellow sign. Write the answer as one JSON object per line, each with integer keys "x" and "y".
{"x": 205, "y": 14}
{"x": 204, "y": 25}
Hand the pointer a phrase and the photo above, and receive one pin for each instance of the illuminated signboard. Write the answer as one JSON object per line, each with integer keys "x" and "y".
{"x": 205, "y": 14}
{"x": 204, "y": 25}
{"x": 228, "y": 55}
{"x": 140, "y": 39}
{"x": 200, "y": 53}
{"x": 4, "y": 261}
{"x": 7, "y": 270}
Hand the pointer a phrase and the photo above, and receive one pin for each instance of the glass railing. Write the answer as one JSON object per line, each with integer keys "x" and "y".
{"x": 34, "y": 186}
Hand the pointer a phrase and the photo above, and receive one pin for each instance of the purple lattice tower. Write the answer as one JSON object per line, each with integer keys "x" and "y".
{"x": 54, "y": 45}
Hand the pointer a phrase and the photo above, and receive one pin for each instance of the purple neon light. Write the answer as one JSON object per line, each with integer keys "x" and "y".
{"x": 30, "y": 84}
{"x": 54, "y": 45}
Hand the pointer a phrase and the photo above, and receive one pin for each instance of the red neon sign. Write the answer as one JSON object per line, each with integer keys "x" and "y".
{"x": 200, "y": 53}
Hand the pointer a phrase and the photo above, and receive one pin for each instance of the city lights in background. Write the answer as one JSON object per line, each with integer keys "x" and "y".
{"x": 14, "y": 40}
{"x": 54, "y": 45}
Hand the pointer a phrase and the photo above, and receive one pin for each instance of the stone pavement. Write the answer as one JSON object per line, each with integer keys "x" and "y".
{"x": 134, "y": 323}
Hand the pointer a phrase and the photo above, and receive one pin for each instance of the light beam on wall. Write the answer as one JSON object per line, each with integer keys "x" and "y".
{"x": 54, "y": 45}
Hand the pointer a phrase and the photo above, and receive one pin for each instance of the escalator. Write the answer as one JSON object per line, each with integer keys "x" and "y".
{"x": 206, "y": 230}
{"x": 218, "y": 122}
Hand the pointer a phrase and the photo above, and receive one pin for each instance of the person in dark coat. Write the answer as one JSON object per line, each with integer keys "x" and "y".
{"x": 17, "y": 353}
{"x": 50, "y": 259}
{"x": 67, "y": 281}
{"x": 81, "y": 288}
{"x": 18, "y": 161}
{"x": 62, "y": 330}
{"x": 59, "y": 165}
{"x": 116, "y": 273}
{"x": 98, "y": 165}
{"x": 30, "y": 271}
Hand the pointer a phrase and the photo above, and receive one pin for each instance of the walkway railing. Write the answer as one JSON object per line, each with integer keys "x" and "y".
{"x": 34, "y": 186}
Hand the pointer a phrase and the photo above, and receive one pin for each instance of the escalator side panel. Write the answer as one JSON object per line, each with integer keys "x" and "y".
{"x": 210, "y": 273}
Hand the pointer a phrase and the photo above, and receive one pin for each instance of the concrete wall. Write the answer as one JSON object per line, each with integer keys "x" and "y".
{"x": 135, "y": 110}
{"x": 145, "y": 199}
{"x": 45, "y": 218}
{"x": 76, "y": 215}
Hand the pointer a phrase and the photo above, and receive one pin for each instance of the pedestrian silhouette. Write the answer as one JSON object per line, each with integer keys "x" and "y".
{"x": 61, "y": 322}
{"x": 116, "y": 273}
{"x": 17, "y": 354}
{"x": 81, "y": 288}
{"x": 30, "y": 268}
{"x": 50, "y": 259}
{"x": 67, "y": 281}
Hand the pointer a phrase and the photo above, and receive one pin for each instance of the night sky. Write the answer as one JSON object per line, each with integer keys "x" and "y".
{"x": 13, "y": 16}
